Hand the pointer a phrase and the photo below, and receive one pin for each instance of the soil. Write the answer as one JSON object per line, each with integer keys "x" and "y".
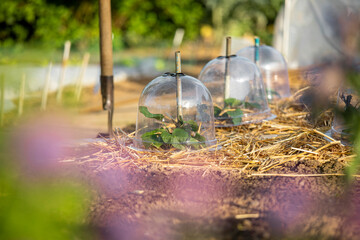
{"x": 159, "y": 201}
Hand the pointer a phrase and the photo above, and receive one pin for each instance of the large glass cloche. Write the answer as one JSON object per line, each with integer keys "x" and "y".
{"x": 175, "y": 112}
{"x": 237, "y": 90}
{"x": 273, "y": 68}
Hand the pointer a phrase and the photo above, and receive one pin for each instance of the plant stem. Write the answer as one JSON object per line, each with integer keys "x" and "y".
{"x": 178, "y": 86}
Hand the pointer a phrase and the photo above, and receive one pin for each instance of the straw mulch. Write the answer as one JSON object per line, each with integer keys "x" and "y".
{"x": 252, "y": 149}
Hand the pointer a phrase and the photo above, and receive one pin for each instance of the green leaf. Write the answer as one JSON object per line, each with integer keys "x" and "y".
{"x": 148, "y": 114}
{"x": 236, "y": 116}
{"x": 217, "y": 111}
{"x": 166, "y": 137}
{"x": 153, "y": 138}
{"x": 193, "y": 125}
{"x": 194, "y": 143}
{"x": 233, "y": 102}
{"x": 199, "y": 137}
{"x": 180, "y": 134}
{"x": 252, "y": 105}
{"x": 236, "y": 121}
{"x": 177, "y": 144}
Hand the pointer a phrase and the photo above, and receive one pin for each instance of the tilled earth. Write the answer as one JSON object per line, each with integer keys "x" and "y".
{"x": 302, "y": 200}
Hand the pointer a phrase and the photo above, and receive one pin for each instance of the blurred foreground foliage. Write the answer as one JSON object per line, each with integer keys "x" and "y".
{"x": 48, "y": 23}
{"x": 351, "y": 115}
{"x": 39, "y": 206}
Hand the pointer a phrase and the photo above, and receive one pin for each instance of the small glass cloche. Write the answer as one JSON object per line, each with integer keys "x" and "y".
{"x": 237, "y": 90}
{"x": 273, "y": 69}
{"x": 175, "y": 112}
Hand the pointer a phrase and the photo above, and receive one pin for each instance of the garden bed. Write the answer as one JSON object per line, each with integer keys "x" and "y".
{"x": 282, "y": 179}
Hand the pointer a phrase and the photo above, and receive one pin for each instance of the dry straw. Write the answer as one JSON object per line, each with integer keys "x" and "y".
{"x": 251, "y": 149}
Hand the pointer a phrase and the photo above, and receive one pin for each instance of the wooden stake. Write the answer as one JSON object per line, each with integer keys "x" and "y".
{"x": 21, "y": 95}
{"x": 45, "y": 92}
{"x": 227, "y": 63}
{"x": 178, "y": 86}
{"x": 2, "y": 100}
{"x": 106, "y": 61}
{"x": 79, "y": 83}
{"x": 63, "y": 68}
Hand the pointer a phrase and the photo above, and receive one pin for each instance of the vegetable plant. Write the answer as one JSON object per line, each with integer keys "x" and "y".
{"x": 232, "y": 111}
{"x": 173, "y": 133}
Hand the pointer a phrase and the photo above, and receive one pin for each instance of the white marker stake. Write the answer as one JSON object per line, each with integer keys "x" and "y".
{"x": 21, "y": 95}
{"x": 79, "y": 83}
{"x": 45, "y": 92}
{"x": 179, "y": 35}
{"x": 63, "y": 68}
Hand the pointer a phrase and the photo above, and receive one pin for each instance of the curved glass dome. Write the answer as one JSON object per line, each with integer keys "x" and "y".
{"x": 237, "y": 90}
{"x": 164, "y": 122}
{"x": 273, "y": 68}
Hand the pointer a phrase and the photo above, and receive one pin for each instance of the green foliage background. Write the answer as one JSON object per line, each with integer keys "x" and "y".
{"x": 48, "y": 23}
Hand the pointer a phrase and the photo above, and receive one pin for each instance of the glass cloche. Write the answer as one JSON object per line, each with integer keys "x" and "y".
{"x": 237, "y": 90}
{"x": 175, "y": 112}
{"x": 273, "y": 68}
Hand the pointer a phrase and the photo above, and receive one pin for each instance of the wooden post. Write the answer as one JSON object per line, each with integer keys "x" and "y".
{"x": 227, "y": 76}
{"x": 178, "y": 86}
{"x": 45, "y": 92}
{"x": 106, "y": 61}
{"x": 79, "y": 83}
{"x": 21, "y": 95}
{"x": 2, "y": 100}
{"x": 63, "y": 69}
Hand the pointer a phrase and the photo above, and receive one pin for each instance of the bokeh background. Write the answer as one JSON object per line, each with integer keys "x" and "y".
{"x": 48, "y": 24}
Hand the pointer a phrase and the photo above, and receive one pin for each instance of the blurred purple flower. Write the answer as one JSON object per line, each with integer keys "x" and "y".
{"x": 39, "y": 143}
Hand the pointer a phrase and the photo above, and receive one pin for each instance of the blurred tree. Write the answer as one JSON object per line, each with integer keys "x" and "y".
{"x": 147, "y": 22}
{"x": 241, "y": 17}
{"x": 135, "y": 22}
{"x": 36, "y": 21}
